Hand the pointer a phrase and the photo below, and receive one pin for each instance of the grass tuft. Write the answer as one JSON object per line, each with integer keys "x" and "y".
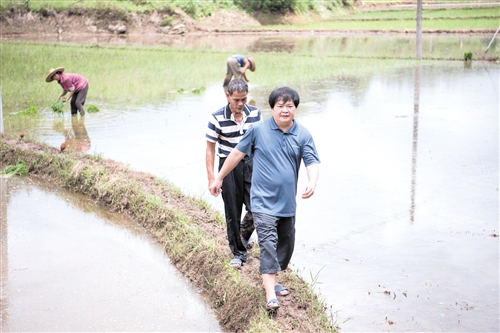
{"x": 12, "y": 170}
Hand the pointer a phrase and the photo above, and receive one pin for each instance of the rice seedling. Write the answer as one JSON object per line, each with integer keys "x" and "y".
{"x": 92, "y": 108}
{"x": 31, "y": 111}
{"x": 58, "y": 106}
{"x": 198, "y": 90}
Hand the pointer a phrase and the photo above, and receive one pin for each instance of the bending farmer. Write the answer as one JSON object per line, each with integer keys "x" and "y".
{"x": 76, "y": 84}
{"x": 237, "y": 66}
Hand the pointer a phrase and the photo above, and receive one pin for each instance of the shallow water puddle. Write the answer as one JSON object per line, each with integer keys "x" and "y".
{"x": 70, "y": 265}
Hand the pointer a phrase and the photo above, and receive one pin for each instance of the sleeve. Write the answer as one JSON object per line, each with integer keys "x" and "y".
{"x": 246, "y": 143}
{"x": 309, "y": 152}
{"x": 213, "y": 130}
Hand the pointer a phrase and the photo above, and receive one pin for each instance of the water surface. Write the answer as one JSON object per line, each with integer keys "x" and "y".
{"x": 402, "y": 232}
{"x": 69, "y": 265}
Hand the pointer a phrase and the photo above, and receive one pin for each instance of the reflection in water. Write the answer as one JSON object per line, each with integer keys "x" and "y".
{"x": 416, "y": 105}
{"x": 77, "y": 137}
{"x": 273, "y": 44}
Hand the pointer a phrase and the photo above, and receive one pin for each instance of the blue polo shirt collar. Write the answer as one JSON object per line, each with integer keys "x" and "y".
{"x": 292, "y": 130}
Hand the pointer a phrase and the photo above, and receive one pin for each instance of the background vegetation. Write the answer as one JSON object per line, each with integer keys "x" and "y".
{"x": 193, "y": 8}
{"x": 323, "y": 14}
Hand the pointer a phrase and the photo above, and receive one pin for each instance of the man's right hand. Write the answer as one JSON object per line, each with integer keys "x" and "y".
{"x": 215, "y": 187}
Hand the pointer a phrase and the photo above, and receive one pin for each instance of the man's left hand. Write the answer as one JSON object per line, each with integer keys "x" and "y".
{"x": 308, "y": 191}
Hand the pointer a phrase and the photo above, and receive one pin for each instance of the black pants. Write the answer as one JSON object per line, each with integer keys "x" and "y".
{"x": 236, "y": 193}
{"x": 78, "y": 100}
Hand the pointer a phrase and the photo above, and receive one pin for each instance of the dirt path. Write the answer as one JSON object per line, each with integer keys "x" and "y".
{"x": 192, "y": 233}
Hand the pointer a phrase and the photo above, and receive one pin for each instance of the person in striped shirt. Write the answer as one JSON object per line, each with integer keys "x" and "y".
{"x": 226, "y": 127}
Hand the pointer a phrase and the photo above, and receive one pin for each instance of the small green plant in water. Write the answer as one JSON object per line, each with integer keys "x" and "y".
{"x": 31, "y": 111}
{"x": 198, "y": 90}
{"x": 468, "y": 56}
{"x": 92, "y": 108}
{"x": 180, "y": 90}
{"x": 57, "y": 106}
{"x": 18, "y": 169}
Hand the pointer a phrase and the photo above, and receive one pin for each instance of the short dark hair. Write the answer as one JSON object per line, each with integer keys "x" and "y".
{"x": 238, "y": 85}
{"x": 285, "y": 94}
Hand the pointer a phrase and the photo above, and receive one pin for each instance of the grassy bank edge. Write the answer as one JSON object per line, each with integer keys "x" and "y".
{"x": 189, "y": 234}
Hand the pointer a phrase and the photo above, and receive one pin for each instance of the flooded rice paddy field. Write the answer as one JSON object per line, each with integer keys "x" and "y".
{"x": 317, "y": 43}
{"x": 402, "y": 233}
{"x": 70, "y": 265}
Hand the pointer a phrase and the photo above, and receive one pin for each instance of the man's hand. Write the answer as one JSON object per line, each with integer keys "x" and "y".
{"x": 308, "y": 191}
{"x": 312, "y": 175}
{"x": 215, "y": 187}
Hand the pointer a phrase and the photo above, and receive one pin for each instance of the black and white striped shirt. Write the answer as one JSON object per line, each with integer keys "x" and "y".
{"x": 223, "y": 128}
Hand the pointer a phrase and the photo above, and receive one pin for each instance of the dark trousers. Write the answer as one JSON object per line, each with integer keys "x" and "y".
{"x": 77, "y": 101}
{"x": 236, "y": 193}
{"x": 276, "y": 241}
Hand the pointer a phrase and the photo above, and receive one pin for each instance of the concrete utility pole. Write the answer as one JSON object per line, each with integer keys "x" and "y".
{"x": 1, "y": 114}
{"x": 419, "y": 29}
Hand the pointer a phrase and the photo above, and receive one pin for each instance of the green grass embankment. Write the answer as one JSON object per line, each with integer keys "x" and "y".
{"x": 192, "y": 233}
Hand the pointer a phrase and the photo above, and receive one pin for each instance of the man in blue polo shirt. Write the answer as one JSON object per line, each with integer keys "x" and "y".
{"x": 226, "y": 127}
{"x": 278, "y": 146}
